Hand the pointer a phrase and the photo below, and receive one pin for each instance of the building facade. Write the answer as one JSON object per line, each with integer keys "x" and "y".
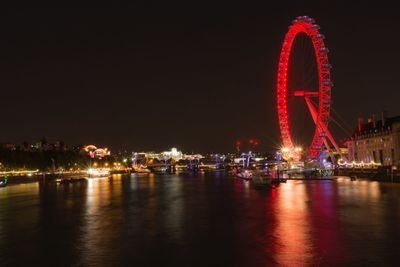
{"x": 376, "y": 141}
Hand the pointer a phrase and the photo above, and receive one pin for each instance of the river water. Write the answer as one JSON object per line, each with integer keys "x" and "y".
{"x": 204, "y": 219}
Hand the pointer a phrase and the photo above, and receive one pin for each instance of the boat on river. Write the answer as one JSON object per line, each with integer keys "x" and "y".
{"x": 140, "y": 169}
{"x": 4, "y": 182}
{"x": 70, "y": 180}
{"x": 258, "y": 178}
{"x": 160, "y": 169}
{"x": 262, "y": 180}
{"x": 244, "y": 174}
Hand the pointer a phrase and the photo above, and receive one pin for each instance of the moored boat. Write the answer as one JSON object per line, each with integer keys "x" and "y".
{"x": 4, "y": 182}
{"x": 70, "y": 180}
{"x": 262, "y": 180}
{"x": 160, "y": 169}
{"x": 243, "y": 174}
{"x": 140, "y": 169}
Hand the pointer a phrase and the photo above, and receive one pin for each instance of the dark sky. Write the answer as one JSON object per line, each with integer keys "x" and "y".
{"x": 195, "y": 77}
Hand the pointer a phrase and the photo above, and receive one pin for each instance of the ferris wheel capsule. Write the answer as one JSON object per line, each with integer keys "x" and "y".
{"x": 323, "y": 50}
{"x": 316, "y": 27}
{"x": 308, "y": 19}
{"x": 326, "y": 66}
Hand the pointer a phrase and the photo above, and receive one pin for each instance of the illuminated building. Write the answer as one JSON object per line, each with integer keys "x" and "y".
{"x": 95, "y": 152}
{"x": 291, "y": 154}
{"x": 376, "y": 141}
{"x": 173, "y": 154}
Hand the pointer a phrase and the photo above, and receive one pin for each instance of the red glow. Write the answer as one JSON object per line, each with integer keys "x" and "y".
{"x": 304, "y": 25}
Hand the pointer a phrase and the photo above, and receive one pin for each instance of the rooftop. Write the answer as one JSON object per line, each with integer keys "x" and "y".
{"x": 379, "y": 127}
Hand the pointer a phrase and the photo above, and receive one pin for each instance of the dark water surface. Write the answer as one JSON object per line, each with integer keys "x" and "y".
{"x": 207, "y": 219}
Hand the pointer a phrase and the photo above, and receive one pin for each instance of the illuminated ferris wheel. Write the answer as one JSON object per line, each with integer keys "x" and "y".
{"x": 318, "y": 101}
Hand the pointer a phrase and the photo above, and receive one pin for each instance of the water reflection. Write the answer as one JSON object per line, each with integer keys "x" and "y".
{"x": 100, "y": 220}
{"x": 18, "y": 215}
{"x": 199, "y": 220}
{"x": 174, "y": 210}
{"x": 293, "y": 238}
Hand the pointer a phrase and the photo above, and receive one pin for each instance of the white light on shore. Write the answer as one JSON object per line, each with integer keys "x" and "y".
{"x": 98, "y": 172}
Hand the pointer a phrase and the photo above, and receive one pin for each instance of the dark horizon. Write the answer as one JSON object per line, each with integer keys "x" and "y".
{"x": 146, "y": 78}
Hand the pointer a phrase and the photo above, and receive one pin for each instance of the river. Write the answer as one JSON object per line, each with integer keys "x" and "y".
{"x": 203, "y": 219}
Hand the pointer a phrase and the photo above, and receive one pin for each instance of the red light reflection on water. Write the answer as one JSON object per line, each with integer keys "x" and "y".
{"x": 293, "y": 241}
{"x": 307, "y": 231}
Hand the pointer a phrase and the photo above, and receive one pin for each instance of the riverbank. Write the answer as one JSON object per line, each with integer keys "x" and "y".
{"x": 359, "y": 174}
{"x": 381, "y": 174}
{"x": 20, "y": 179}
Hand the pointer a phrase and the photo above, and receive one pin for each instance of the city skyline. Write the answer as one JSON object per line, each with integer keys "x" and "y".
{"x": 137, "y": 79}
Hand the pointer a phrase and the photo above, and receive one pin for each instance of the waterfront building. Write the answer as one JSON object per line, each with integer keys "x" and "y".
{"x": 376, "y": 141}
{"x": 173, "y": 154}
{"x": 96, "y": 152}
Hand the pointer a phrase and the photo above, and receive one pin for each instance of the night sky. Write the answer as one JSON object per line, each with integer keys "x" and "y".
{"x": 194, "y": 77}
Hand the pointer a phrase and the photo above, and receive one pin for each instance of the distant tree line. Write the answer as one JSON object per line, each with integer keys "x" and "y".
{"x": 42, "y": 160}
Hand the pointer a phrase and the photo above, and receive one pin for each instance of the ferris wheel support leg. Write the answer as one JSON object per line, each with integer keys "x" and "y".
{"x": 328, "y": 148}
{"x": 322, "y": 127}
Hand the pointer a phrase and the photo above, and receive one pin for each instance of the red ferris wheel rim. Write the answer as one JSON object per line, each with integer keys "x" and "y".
{"x": 304, "y": 25}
